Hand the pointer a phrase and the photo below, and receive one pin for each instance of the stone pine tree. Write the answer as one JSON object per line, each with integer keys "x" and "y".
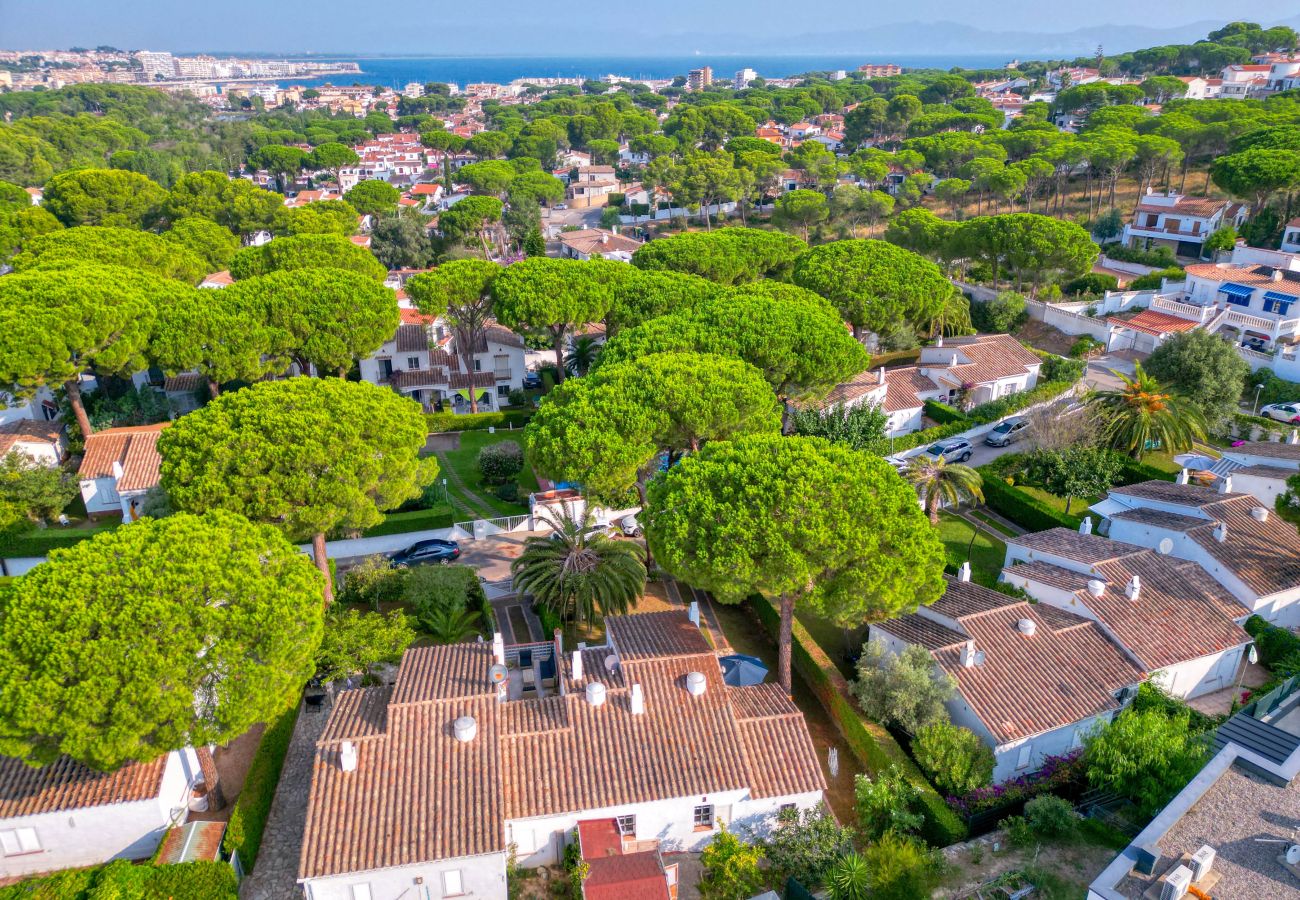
{"x": 311, "y": 456}
{"x": 57, "y": 325}
{"x": 460, "y": 292}
{"x": 799, "y": 520}
{"x": 170, "y": 633}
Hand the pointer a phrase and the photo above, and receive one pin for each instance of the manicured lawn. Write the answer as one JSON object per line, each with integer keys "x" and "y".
{"x": 467, "y": 493}
{"x": 415, "y": 520}
{"x": 1163, "y": 461}
{"x": 1078, "y": 506}
{"x": 992, "y": 523}
{"x": 987, "y": 553}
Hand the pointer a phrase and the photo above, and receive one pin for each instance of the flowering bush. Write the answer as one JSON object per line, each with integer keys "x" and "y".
{"x": 1057, "y": 772}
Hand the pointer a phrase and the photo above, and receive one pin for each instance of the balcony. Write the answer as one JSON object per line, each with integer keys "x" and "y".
{"x": 1164, "y": 232}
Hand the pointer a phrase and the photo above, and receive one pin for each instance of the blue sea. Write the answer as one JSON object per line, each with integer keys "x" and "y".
{"x": 398, "y": 71}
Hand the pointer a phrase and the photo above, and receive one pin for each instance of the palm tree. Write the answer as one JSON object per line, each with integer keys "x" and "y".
{"x": 849, "y": 878}
{"x": 578, "y": 360}
{"x": 451, "y": 626}
{"x": 579, "y": 571}
{"x": 938, "y": 481}
{"x": 1141, "y": 413}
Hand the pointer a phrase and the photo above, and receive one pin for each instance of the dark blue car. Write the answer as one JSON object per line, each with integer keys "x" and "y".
{"x": 422, "y": 553}
{"x": 532, "y": 380}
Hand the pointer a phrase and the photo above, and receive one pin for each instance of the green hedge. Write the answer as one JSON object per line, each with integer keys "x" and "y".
{"x": 943, "y": 413}
{"x": 1013, "y": 403}
{"x": 40, "y": 541}
{"x": 871, "y": 743}
{"x": 926, "y": 436}
{"x": 1026, "y": 511}
{"x": 1133, "y": 471}
{"x": 1274, "y": 644}
{"x": 123, "y": 880}
{"x": 248, "y": 820}
{"x": 445, "y": 421}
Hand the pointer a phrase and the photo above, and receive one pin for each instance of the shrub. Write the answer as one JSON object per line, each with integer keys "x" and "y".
{"x": 517, "y": 397}
{"x": 943, "y": 413}
{"x": 1050, "y": 816}
{"x": 1017, "y": 830}
{"x": 508, "y": 492}
{"x": 123, "y": 880}
{"x": 1272, "y": 643}
{"x": 373, "y": 581}
{"x": 901, "y": 868}
{"x": 1057, "y": 774}
{"x": 1092, "y": 283}
{"x": 862, "y": 427}
{"x": 926, "y": 436}
{"x": 902, "y": 689}
{"x": 1013, "y": 403}
{"x": 1145, "y": 755}
{"x": 898, "y": 336}
{"x": 1152, "y": 280}
{"x": 1026, "y": 511}
{"x": 849, "y": 878}
{"x": 448, "y": 421}
{"x": 1059, "y": 368}
{"x": 805, "y": 845}
{"x": 248, "y": 819}
{"x": 1159, "y": 257}
{"x": 886, "y": 803}
{"x": 499, "y": 463}
{"x": 731, "y": 869}
{"x": 1274, "y": 389}
{"x": 432, "y": 592}
{"x": 1085, "y": 346}
{"x": 1004, "y": 313}
{"x": 954, "y": 758}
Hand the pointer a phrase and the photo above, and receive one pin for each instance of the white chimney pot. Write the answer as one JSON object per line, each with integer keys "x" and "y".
{"x": 1134, "y": 588}
{"x": 1225, "y": 486}
{"x": 963, "y": 571}
{"x": 1221, "y": 533}
{"x": 1096, "y": 587}
{"x": 498, "y": 648}
{"x": 1260, "y": 513}
{"x": 576, "y": 668}
{"x": 596, "y": 693}
{"x": 638, "y": 700}
{"x": 347, "y": 756}
{"x": 1085, "y": 527}
{"x": 693, "y": 613}
{"x": 696, "y": 684}
{"x": 1183, "y": 476}
{"x": 465, "y": 729}
{"x": 1027, "y": 627}
{"x": 968, "y": 654}
{"x": 1293, "y": 437}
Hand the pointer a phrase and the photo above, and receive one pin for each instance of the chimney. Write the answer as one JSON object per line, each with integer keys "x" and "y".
{"x": 939, "y": 341}
{"x": 880, "y": 375}
{"x": 1027, "y": 627}
{"x": 968, "y": 655}
{"x": 1260, "y": 513}
{"x": 498, "y": 649}
{"x": 696, "y": 684}
{"x": 558, "y": 640}
{"x": 1134, "y": 589}
{"x": 595, "y": 693}
{"x": 465, "y": 729}
{"x": 1221, "y": 532}
{"x": 1276, "y": 275}
{"x": 1183, "y": 476}
{"x": 1096, "y": 587}
{"x": 693, "y": 613}
{"x": 1225, "y": 486}
{"x": 638, "y": 700}
{"x": 963, "y": 571}
{"x": 1085, "y": 527}
{"x": 576, "y": 668}
{"x": 347, "y": 756}
{"x": 604, "y": 239}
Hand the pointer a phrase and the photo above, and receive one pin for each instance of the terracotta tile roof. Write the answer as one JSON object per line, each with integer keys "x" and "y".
{"x": 185, "y": 382}
{"x": 904, "y": 386}
{"x": 915, "y": 628}
{"x": 219, "y": 279}
{"x": 1200, "y": 207}
{"x": 192, "y": 841}
{"x": 447, "y": 672}
{"x": 410, "y": 316}
{"x": 991, "y": 356}
{"x": 420, "y": 378}
{"x": 1084, "y": 548}
{"x": 1263, "y": 471}
{"x": 652, "y": 635}
{"x": 1193, "y": 495}
{"x": 1270, "y": 449}
{"x": 631, "y": 876}
{"x": 1160, "y": 518}
{"x": 459, "y": 381}
{"x": 762, "y": 701}
{"x": 595, "y": 240}
{"x": 411, "y": 338}
{"x": 864, "y": 384}
{"x": 1150, "y": 321}
{"x": 135, "y": 448}
{"x": 29, "y": 431}
{"x": 1251, "y": 276}
{"x": 497, "y": 334}
{"x": 63, "y": 785}
{"x": 358, "y": 715}
{"x": 1264, "y": 555}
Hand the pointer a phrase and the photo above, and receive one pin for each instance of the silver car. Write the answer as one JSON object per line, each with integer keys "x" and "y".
{"x": 952, "y": 450}
{"x": 1008, "y": 432}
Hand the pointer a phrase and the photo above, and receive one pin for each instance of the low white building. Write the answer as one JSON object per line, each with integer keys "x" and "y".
{"x": 586, "y": 243}
{"x": 1031, "y": 680}
{"x": 433, "y": 780}
{"x": 1232, "y": 536}
{"x": 1169, "y": 616}
{"x": 65, "y": 815}
{"x": 423, "y": 361}
{"x": 120, "y": 466}
{"x": 42, "y": 441}
{"x": 1179, "y": 222}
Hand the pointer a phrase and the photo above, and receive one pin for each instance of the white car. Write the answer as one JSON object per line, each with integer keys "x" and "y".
{"x": 1282, "y": 412}
{"x": 955, "y": 450}
{"x": 630, "y": 526}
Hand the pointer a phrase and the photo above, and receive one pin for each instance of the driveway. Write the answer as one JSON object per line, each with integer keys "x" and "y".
{"x": 1100, "y": 375}
{"x": 492, "y": 555}
{"x": 555, "y": 220}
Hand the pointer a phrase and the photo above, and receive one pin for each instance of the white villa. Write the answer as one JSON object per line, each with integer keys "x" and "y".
{"x": 1179, "y": 222}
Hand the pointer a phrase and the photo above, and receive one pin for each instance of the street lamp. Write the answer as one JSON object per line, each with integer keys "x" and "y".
{"x": 1254, "y": 409}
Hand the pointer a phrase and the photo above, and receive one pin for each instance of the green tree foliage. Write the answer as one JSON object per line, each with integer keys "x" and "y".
{"x": 306, "y": 251}
{"x": 1257, "y": 174}
{"x": 805, "y": 846}
{"x": 203, "y": 330}
{"x": 373, "y": 582}
{"x": 887, "y": 804}
{"x": 239, "y": 205}
{"x": 373, "y": 197}
{"x": 401, "y": 241}
{"x": 284, "y": 163}
{"x": 641, "y": 295}
{"x": 1147, "y": 756}
{"x": 461, "y": 292}
{"x": 861, "y": 427}
{"x": 108, "y": 246}
{"x": 332, "y": 156}
{"x": 206, "y": 239}
{"x": 902, "y": 689}
{"x": 954, "y": 758}
{"x": 17, "y": 228}
{"x": 1203, "y": 368}
{"x": 310, "y": 456}
{"x": 322, "y": 217}
{"x": 470, "y": 220}
{"x": 800, "y": 210}
{"x": 578, "y": 574}
{"x": 233, "y": 614}
{"x": 874, "y": 284}
{"x": 1003, "y": 314}
{"x": 727, "y": 519}
{"x": 490, "y": 177}
{"x": 40, "y": 491}
{"x": 500, "y": 462}
{"x": 554, "y": 296}
{"x": 901, "y": 868}
{"x": 731, "y": 868}
{"x": 1141, "y": 414}
{"x": 58, "y": 324}
{"x": 727, "y": 256}
{"x": 103, "y": 197}
{"x": 353, "y": 643}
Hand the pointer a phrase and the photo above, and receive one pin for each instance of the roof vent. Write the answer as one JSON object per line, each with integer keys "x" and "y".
{"x": 638, "y": 700}
{"x": 1225, "y": 486}
{"x": 1134, "y": 588}
{"x": 596, "y": 693}
{"x": 880, "y": 375}
{"x": 1096, "y": 587}
{"x": 1165, "y": 547}
{"x": 1085, "y": 527}
{"x": 1183, "y": 476}
{"x": 963, "y": 571}
{"x": 1221, "y": 532}
{"x": 1260, "y": 513}
{"x": 695, "y": 684}
{"x": 347, "y": 756}
{"x": 1027, "y": 627}
{"x": 465, "y": 729}
{"x": 576, "y": 667}
{"x": 968, "y": 654}
{"x": 1276, "y": 275}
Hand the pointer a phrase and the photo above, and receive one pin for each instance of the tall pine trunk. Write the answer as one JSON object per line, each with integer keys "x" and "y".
{"x": 558, "y": 338}
{"x": 73, "y": 388}
{"x": 785, "y": 641}
{"x": 323, "y": 563}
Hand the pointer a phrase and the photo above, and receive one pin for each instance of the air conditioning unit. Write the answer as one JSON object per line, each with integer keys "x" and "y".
{"x": 1176, "y": 884}
{"x": 1202, "y": 861}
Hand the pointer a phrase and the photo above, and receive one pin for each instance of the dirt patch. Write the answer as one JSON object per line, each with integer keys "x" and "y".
{"x": 232, "y": 762}
{"x": 1070, "y": 866}
{"x": 442, "y": 442}
{"x": 1044, "y": 337}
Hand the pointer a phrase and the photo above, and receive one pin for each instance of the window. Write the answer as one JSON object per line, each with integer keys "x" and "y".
{"x": 626, "y": 825}
{"x": 1276, "y": 305}
{"x": 18, "y": 841}
{"x": 503, "y": 390}
{"x": 478, "y": 365}
{"x": 703, "y": 816}
{"x": 451, "y": 884}
{"x": 360, "y": 892}
{"x": 413, "y": 362}
{"x": 1026, "y": 753}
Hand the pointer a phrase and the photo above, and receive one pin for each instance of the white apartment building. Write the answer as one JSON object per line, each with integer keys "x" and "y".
{"x": 1179, "y": 222}
{"x": 423, "y": 362}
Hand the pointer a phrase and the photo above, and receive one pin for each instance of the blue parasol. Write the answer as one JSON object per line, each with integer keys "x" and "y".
{"x": 742, "y": 671}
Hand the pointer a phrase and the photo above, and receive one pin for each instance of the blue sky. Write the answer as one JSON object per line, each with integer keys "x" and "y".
{"x": 547, "y": 29}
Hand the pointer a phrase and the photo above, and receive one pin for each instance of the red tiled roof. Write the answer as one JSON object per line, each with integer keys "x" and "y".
{"x": 992, "y": 356}
{"x": 29, "y": 431}
{"x": 1150, "y": 321}
{"x": 135, "y": 448}
{"x": 1251, "y": 276}
{"x": 634, "y": 876}
{"x": 64, "y": 785}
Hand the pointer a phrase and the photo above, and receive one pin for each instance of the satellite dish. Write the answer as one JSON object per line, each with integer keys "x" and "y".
{"x": 498, "y": 673}
{"x": 1165, "y": 547}
{"x": 610, "y": 662}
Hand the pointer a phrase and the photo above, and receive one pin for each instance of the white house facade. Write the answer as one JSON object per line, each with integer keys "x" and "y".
{"x": 424, "y": 362}
{"x": 120, "y": 466}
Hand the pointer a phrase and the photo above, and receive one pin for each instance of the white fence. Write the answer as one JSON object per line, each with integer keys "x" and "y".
{"x": 478, "y": 529}
{"x": 1070, "y": 322}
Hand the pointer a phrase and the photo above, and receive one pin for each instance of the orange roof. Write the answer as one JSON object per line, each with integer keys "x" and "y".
{"x": 134, "y": 448}
{"x": 221, "y": 279}
{"x": 1151, "y": 322}
{"x": 29, "y": 431}
{"x": 425, "y": 188}
{"x": 65, "y": 785}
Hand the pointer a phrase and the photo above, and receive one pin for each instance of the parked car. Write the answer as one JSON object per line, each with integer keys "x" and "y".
{"x": 630, "y": 526}
{"x": 431, "y": 551}
{"x": 1259, "y": 345}
{"x": 1282, "y": 412}
{"x": 1008, "y": 432}
{"x": 955, "y": 450}
{"x": 532, "y": 380}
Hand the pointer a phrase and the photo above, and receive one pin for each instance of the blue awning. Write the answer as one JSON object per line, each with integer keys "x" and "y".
{"x": 1236, "y": 290}
{"x": 1280, "y": 297}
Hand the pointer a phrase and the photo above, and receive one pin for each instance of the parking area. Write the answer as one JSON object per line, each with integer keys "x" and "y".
{"x": 492, "y": 556}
